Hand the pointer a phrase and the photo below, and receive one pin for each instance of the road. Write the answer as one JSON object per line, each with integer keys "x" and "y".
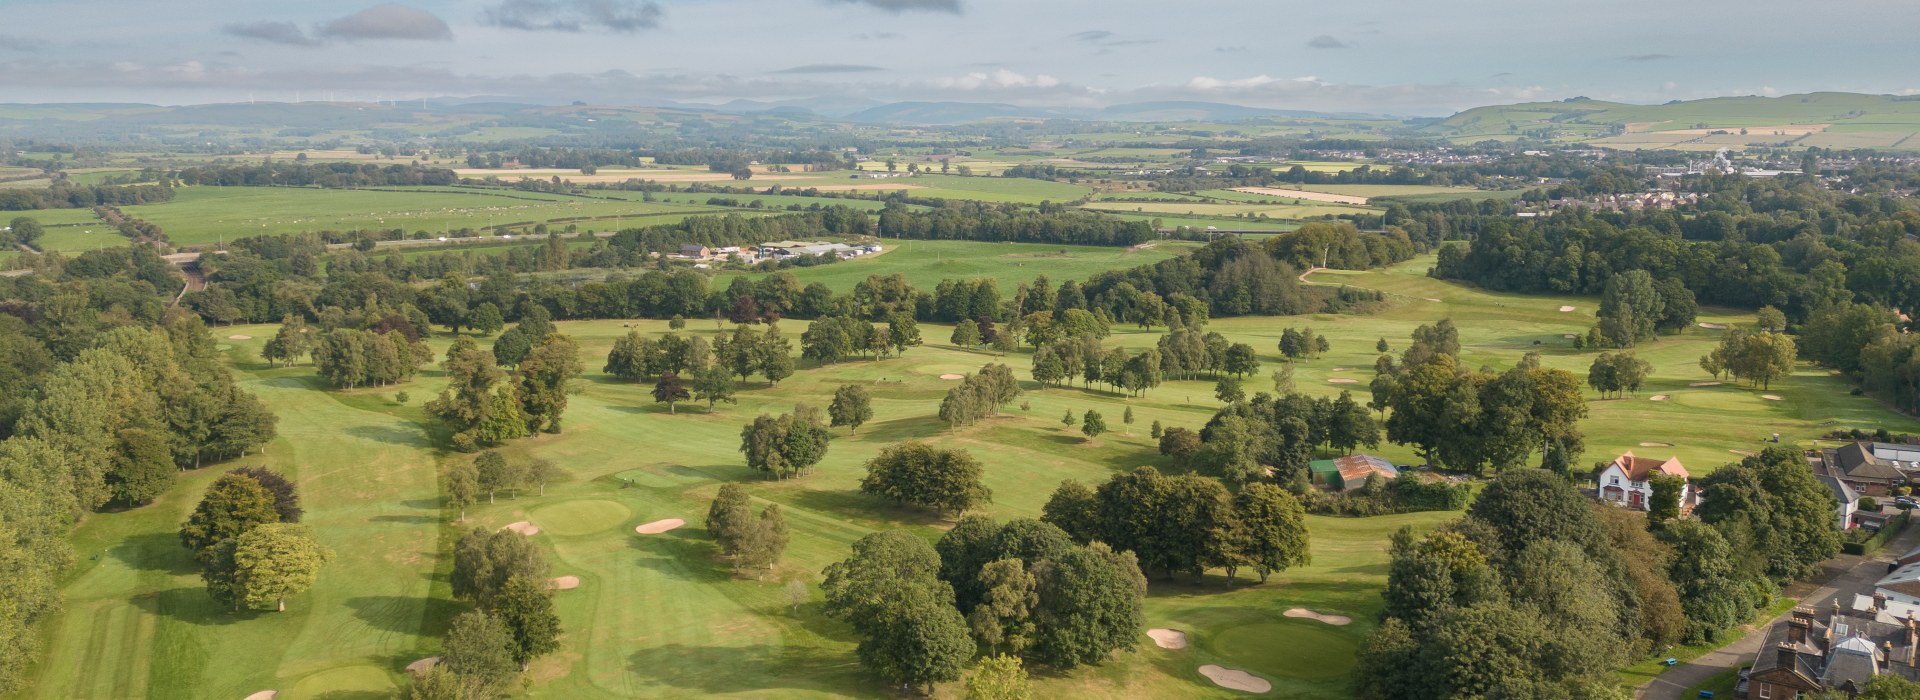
{"x": 1844, "y": 575}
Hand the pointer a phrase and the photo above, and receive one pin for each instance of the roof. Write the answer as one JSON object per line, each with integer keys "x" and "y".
{"x": 1355, "y": 469}
{"x": 1858, "y": 461}
{"x": 1842, "y": 493}
{"x": 1904, "y": 580}
{"x": 1639, "y": 468}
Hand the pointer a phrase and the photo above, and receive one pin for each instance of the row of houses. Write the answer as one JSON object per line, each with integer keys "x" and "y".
{"x": 1873, "y": 634}
{"x": 777, "y": 250}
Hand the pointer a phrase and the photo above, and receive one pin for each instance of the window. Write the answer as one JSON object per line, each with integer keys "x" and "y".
{"x": 1639, "y": 484}
{"x": 1766, "y": 690}
{"x": 1615, "y": 480}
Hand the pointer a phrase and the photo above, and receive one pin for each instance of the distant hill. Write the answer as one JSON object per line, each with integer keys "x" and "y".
{"x": 947, "y": 113}
{"x": 1824, "y": 119}
{"x": 1208, "y": 111}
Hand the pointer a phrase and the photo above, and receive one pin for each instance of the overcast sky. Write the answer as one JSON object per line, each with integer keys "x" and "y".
{"x": 1384, "y": 56}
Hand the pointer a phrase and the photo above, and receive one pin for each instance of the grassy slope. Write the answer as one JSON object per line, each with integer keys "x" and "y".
{"x": 658, "y": 616}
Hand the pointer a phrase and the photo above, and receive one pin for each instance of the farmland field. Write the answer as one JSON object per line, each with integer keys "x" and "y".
{"x": 660, "y": 615}
{"x": 925, "y": 263}
{"x": 1275, "y": 210}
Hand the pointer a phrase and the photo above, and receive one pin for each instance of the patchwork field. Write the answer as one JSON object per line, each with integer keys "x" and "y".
{"x": 660, "y": 616}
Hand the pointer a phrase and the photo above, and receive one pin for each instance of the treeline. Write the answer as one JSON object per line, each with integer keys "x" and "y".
{"x": 973, "y": 221}
{"x": 302, "y": 174}
{"x": 105, "y": 395}
{"x": 67, "y": 195}
{"x": 1539, "y": 592}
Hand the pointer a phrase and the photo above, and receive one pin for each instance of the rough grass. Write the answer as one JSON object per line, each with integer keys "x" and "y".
{"x": 925, "y": 263}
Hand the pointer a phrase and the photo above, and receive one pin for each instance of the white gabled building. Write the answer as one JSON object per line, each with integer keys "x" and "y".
{"x": 1625, "y": 482}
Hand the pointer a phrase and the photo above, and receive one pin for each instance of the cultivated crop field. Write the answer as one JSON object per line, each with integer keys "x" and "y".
{"x": 662, "y": 616}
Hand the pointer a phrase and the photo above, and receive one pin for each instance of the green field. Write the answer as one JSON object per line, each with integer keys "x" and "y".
{"x": 1275, "y": 210}
{"x": 209, "y": 214}
{"x": 661, "y": 616}
{"x": 925, "y": 263}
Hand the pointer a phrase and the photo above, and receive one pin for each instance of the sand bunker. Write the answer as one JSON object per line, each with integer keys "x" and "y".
{"x": 658, "y": 526}
{"x": 1235, "y": 679}
{"x": 1335, "y": 620}
{"x": 1771, "y": 397}
{"x": 264, "y": 695}
{"x": 1657, "y": 397}
{"x": 1343, "y": 380}
{"x": 953, "y": 376}
{"x": 1436, "y": 301}
{"x": 564, "y": 583}
{"x": 1168, "y": 639}
{"x": 1713, "y": 326}
{"x": 1343, "y": 369}
{"x": 1565, "y": 309}
{"x": 239, "y": 337}
{"x": 1568, "y": 336}
{"x": 523, "y": 527}
{"x": 1701, "y": 384}
{"x": 423, "y": 665}
{"x": 1656, "y": 444}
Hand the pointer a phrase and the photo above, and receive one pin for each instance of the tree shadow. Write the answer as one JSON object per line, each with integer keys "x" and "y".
{"x": 898, "y": 429}
{"x": 866, "y": 510}
{"x": 155, "y": 551}
{"x": 683, "y": 554}
{"x": 714, "y": 670}
{"x": 401, "y": 613}
{"x": 191, "y": 605}
{"x": 309, "y": 381}
{"x": 407, "y": 519}
{"x": 387, "y": 434}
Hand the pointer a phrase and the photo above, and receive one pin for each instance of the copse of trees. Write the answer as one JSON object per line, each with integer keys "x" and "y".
{"x": 1474, "y": 419}
{"x": 1246, "y": 441}
{"x": 1634, "y": 308}
{"x": 1185, "y": 523}
{"x": 303, "y": 174}
{"x": 787, "y": 446}
{"x": 1028, "y": 590}
{"x": 754, "y": 543}
{"x": 68, "y": 195}
{"x": 1756, "y": 356}
{"x": 887, "y": 591}
{"x": 913, "y": 472}
{"x": 851, "y": 407}
{"x": 1618, "y": 373}
{"x": 979, "y": 395}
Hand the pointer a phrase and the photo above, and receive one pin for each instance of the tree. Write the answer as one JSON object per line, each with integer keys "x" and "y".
{"x": 917, "y": 473}
{"x": 764, "y": 540}
{"x": 851, "y": 407}
{"x": 1090, "y": 605}
{"x": 902, "y": 332}
{"x": 1075, "y": 510}
{"x": 1770, "y": 319}
{"x": 142, "y": 467}
{"x": 1381, "y": 346}
{"x": 966, "y": 334}
{"x": 493, "y": 473}
{"x": 437, "y": 683}
{"x": 1241, "y": 360}
{"x": 1664, "y": 505}
{"x": 1092, "y": 424}
{"x": 1705, "y": 576}
{"x": 290, "y": 343}
{"x": 713, "y": 383}
{"x": 1272, "y": 529}
{"x": 478, "y": 413}
{"x": 785, "y": 446}
{"x": 233, "y": 505}
{"x": 1179, "y": 443}
{"x": 273, "y": 561}
{"x": 1772, "y": 510}
{"x": 542, "y": 381}
{"x": 25, "y": 230}
{"x": 1630, "y": 308}
{"x": 1228, "y": 390}
{"x": 999, "y": 677}
{"x": 729, "y": 518}
{"x": 888, "y": 592}
{"x": 484, "y": 561}
{"x": 1156, "y": 430}
{"x": 486, "y": 319}
{"x": 1068, "y": 419}
{"x": 525, "y": 607}
{"x": 479, "y": 651}
{"x": 670, "y": 390}
{"x": 461, "y": 483}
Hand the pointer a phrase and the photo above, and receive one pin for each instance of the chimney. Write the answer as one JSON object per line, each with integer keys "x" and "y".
{"x": 1785, "y": 656}
{"x": 1913, "y": 637}
{"x": 1797, "y": 629}
{"x": 1879, "y": 601}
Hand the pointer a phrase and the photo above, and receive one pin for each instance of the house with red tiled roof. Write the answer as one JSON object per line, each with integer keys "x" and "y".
{"x": 1626, "y": 482}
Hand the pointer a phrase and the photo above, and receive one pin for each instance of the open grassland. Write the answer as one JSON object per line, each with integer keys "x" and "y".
{"x": 925, "y": 263}
{"x": 1275, "y": 210}
{"x": 661, "y": 616}
{"x": 208, "y": 214}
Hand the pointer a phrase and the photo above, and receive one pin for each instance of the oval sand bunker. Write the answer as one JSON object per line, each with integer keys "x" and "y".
{"x": 240, "y": 337}
{"x": 1657, "y": 397}
{"x": 953, "y": 376}
{"x": 1342, "y": 380}
{"x": 658, "y": 526}
{"x": 264, "y": 695}
{"x": 1235, "y": 679}
{"x": 1168, "y": 639}
{"x": 1771, "y": 397}
{"x": 564, "y": 583}
{"x": 523, "y": 527}
{"x": 1565, "y": 309}
{"x": 1335, "y": 620}
{"x": 423, "y": 665}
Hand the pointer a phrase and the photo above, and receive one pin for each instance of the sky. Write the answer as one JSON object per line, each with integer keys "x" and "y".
{"x": 1378, "y": 56}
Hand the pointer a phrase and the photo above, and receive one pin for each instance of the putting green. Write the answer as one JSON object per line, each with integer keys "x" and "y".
{"x": 1306, "y": 650}
{"x": 343, "y": 683}
{"x": 580, "y": 517}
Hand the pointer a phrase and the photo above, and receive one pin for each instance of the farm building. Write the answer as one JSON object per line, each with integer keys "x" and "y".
{"x": 1350, "y": 472}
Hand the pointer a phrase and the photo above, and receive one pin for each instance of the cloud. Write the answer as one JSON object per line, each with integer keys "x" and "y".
{"x": 1309, "y": 92}
{"x": 1094, "y": 35}
{"x": 624, "y": 16}
{"x": 1104, "y": 38}
{"x": 9, "y": 42}
{"x": 819, "y": 68}
{"x": 1325, "y": 41}
{"x": 381, "y": 22}
{"x": 899, "y": 6}
{"x": 1648, "y": 57}
{"x": 286, "y": 33}
{"x": 999, "y": 79}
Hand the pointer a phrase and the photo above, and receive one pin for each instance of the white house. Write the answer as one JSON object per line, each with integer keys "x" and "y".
{"x": 1846, "y": 500}
{"x": 1625, "y": 481}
